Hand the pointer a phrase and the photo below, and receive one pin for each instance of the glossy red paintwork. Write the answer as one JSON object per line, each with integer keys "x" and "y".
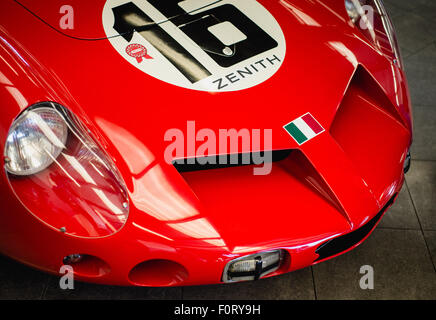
{"x": 202, "y": 220}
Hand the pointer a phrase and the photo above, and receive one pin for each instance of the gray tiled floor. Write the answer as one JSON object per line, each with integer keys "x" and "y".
{"x": 402, "y": 249}
{"x": 422, "y": 186}
{"x": 402, "y": 269}
{"x": 430, "y": 237}
{"x": 86, "y": 291}
{"x": 414, "y": 31}
{"x": 402, "y": 214}
{"x": 421, "y": 72}
{"x": 291, "y": 286}
{"x": 424, "y": 8}
{"x": 20, "y": 282}
{"x": 424, "y": 144}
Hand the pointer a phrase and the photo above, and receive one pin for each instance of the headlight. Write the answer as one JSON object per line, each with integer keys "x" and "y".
{"x": 353, "y": 10}
{"x": 36, "y": 138}
{"x": 254, "y": 266}
{"x": 62, "y": 175}
{"x": 371, "y": 18}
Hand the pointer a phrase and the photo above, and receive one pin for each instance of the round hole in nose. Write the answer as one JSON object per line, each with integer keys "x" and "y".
{"x": 158, "y": 273}
{"x": 85, "y": 265}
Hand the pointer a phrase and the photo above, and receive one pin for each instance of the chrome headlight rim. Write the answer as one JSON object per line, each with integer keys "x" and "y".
{"x": 60, "y": 141}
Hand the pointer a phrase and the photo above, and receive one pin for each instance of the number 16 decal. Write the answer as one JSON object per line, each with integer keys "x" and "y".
{"x": 204, "y": 45}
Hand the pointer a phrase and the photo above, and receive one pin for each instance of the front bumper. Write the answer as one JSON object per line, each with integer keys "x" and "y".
{"x": 119, "y": 259}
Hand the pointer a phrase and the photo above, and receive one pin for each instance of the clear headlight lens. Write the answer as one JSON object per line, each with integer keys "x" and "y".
{"x": 253, "y": 267}
{"x": 62, "y": 175}
{"x": 371, "y": 18}
{"x": 36, "y": 138}
{"x": 353, "y": 11}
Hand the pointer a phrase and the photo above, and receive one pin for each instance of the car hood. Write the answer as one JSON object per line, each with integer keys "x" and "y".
{"x": 346, "y": 174}
{"x": 322, "y": 54}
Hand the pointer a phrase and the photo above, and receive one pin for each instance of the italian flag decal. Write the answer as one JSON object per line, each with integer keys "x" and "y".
{"x": 304, "y": 128}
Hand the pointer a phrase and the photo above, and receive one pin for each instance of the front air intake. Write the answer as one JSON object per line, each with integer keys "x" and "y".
{"x": 372, "y": 134}
{"x": 345, "y": 242}
{"x": 229, "y": 160}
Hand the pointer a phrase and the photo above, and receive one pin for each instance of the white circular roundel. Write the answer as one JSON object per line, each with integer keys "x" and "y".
{"x": 207, "y": 45}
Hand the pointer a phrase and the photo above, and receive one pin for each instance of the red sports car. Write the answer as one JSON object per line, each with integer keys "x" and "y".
{"x": 164, "y": 143}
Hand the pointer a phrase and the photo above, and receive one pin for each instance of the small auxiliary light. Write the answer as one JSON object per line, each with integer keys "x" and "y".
{"x": 73, "y": 258}
{"x": 253, "y": 267}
